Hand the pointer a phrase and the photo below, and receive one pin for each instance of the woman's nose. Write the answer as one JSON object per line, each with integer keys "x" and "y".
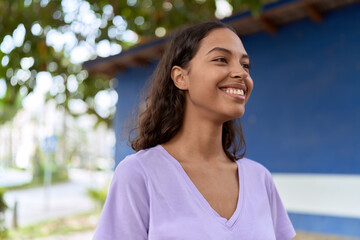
{"x": 239, "y": 72}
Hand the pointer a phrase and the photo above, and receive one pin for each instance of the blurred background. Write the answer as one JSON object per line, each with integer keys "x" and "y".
{"x": 72, "y": 72}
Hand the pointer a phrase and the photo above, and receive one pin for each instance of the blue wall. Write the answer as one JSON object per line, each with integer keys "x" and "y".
{"x": 129, "y": 86}
{"x": 304, "y": 113}
{"x": 326, "y": 224}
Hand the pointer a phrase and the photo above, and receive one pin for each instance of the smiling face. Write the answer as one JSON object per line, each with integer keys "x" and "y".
{"x": 216, "y": 81}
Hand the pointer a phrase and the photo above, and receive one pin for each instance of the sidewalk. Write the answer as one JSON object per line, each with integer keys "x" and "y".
{"x": 11, "y": 177}
{"x": 309, "y": 236}
{"x": 60, "y": 200}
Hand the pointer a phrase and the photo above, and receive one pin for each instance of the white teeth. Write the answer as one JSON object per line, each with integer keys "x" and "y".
{"x": 235, "y": 91}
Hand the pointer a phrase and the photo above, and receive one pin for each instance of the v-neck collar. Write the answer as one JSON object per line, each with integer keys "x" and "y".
{"x": 227, "y": 222}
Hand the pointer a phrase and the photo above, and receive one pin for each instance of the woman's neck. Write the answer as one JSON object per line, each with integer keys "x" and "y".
{"x": 197, "y": 141}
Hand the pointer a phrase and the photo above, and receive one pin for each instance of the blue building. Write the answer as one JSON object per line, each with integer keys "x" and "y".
{"x": 303, "y": 118}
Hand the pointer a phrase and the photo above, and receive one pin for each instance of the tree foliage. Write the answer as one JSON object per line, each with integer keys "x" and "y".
{"x": 22, "y": 57}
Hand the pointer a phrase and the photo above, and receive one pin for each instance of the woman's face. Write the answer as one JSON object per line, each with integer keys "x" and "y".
{"x": 217, "y": 79}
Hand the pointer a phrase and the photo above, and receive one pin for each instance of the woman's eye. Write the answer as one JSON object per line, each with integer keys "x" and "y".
{"x": 247, "y": 66}
{"x": 220, "y": 60}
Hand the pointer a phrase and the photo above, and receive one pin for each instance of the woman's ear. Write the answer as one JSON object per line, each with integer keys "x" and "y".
{"x": 179, "y": 77}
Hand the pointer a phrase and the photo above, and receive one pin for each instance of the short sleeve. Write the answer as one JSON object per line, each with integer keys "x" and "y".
{"x": 283, "y": 227}
{"x": 125, "y": 214}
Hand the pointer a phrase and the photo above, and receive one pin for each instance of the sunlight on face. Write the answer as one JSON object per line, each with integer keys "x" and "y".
{"x": 219, "y": 82}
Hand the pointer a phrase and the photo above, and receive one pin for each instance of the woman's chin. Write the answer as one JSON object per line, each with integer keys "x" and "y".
{"x": 239, "y": 113}
{"x": 234, "y": 115}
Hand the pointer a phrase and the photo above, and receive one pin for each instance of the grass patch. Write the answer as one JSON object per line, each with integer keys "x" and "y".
{"x": 62, "y": 226}
{"x": 38, "y": 180}
{"x": 35, "y": 184}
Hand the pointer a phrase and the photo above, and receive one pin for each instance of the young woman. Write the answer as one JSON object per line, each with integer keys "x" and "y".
{"x": 188, "y": 179}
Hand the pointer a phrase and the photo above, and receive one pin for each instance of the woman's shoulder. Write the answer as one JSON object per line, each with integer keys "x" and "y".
{"x": 254, "y": 166}
{"x": 257, "y": 173}
{"x": 140, "y": 161}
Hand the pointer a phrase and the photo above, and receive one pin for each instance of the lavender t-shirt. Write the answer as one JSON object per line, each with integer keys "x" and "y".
{"x": 152, "y": 197}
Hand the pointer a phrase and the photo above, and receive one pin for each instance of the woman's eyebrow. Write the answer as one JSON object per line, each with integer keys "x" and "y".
{"x": 226, "y": 51}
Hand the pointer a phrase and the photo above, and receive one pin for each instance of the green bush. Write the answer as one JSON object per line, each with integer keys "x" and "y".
{"x": 3, "y": 207}
{"x": 98, "y": 195}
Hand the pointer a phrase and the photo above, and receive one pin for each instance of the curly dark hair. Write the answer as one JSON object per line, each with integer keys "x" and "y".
{"x": 164, "y": 104}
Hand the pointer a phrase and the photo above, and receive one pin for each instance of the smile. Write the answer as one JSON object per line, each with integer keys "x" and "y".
{"x": 235, "y": 92}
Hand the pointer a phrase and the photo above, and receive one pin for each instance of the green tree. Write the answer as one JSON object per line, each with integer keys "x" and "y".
{"x": 26, "y": 48}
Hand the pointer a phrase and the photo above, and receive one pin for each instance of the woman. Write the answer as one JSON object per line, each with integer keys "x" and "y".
{"x": 188, "y": 179}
